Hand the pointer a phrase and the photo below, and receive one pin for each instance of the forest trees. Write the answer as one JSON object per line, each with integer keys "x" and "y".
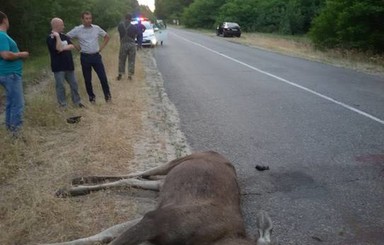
{"x": 30, "y": 19}
{"x": 170, "y": 9}
{"x": 282, "y": 16}
{"x": 350, "y": 24}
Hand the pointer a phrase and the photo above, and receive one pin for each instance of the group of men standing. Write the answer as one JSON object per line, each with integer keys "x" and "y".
{"x": 62, "y": 65}
{"x": 60, "y": 46}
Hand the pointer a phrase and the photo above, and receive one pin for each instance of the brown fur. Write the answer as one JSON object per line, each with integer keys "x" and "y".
{"x": 199, "y": 204}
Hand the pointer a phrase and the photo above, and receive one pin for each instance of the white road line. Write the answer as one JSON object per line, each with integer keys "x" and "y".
{"x": 287, "y": 82}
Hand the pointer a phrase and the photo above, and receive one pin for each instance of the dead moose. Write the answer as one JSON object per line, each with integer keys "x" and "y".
{"x": 199, "y": 204}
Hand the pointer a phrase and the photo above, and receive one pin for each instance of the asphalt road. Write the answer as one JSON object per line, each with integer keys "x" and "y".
{"x": 319, "y": 128}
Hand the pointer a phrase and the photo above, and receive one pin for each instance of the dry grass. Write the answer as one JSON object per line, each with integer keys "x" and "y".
{"x": 302, "y": 47}
{"x": 52, "y": 152}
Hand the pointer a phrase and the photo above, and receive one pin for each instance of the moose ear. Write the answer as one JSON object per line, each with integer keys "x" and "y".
{"x": 264, "y": 228}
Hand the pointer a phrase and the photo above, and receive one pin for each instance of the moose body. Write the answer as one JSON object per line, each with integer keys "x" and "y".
{"x": 199, "y": 204}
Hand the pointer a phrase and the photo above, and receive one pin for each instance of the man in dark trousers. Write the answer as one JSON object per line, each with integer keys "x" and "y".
{"x": 141, "y": 29}
{"x": 59, "y": 46}
{"x": 128, "y": 32}
{"x": 88, "y": 36}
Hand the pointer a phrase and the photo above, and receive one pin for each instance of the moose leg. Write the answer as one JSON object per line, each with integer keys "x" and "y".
{"x": 102, "y": 179}
{"x": 160, "y": 170}
{"x": 127, "y": 180}
{"x": 86, "y": 189}
{"x": 96, "y": 179}
{"x": 145, "y": 230}
{"x": 103, "y": 237}
{"x": 156, "y": 171}
{"x": 264, "y": 228}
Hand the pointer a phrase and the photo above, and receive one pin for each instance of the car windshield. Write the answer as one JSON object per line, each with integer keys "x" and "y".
{"x": 232, "y": 25}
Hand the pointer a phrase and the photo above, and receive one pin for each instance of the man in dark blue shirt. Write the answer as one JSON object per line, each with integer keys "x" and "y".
{"x": 140, "y": 30}
{"x": 60, "y": 46}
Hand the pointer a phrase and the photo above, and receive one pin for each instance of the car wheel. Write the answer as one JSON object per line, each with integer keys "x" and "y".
{"x": 224, "y": 34}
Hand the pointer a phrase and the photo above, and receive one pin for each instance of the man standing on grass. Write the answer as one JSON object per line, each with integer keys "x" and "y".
{"x": 59, "y": 46}
{"x": 11, "y": 67}
{"x": 88, "y": 36}
{"x": 128, "y": 33}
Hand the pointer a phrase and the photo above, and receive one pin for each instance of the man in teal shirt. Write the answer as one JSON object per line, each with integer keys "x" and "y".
{"x": 11, "y": 66}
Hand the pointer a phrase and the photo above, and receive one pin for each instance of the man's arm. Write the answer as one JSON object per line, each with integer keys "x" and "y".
{"x": 72, "y": 34}
{"x": 121, "y": 30}
{"x": 60, "y": 47}
{"x": 106, "y": 40}
{"x": 5, "y": 52}
{"x": 8, "y": 55}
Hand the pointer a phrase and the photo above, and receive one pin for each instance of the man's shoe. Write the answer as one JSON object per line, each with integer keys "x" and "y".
{"x": 119, "y": 77}
{"x": 81, "y": 105}
{"x": 92, "y": 100}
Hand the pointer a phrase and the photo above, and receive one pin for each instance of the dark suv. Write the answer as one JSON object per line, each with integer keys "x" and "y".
{"x": 228, "y": 29}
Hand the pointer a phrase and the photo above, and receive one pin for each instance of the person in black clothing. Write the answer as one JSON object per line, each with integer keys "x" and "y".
{"x": 59, "y": 46}
{"x": 140, "y": 30}
{"x": 128, "y": 32}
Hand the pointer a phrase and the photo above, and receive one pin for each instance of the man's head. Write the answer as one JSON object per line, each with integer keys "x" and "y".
{"x": 128, "y": 17}
{"x": 86, "y": 18}
{"x": 57, "y": 25}
{"x": 4, "y": 23}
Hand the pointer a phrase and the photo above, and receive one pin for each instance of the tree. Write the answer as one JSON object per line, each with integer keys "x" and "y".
{"x": 30, "y": 19}
{"x": 298, "y": 16}
{"x": 170, "y": 9}
{"x": 202, "y": 13}
{"x": 351, "y": 24}
{"x": 244, "y": 12}
{"x": 108, "y": 14}
{"x": 270, "y": 15}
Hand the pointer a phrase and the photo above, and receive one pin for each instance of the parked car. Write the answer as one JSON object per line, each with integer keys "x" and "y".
{"x": 152, "y": 35}
{"x": 228, "y": 29}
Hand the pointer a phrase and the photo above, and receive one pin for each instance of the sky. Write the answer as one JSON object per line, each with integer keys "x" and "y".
{"x": 149, "y": 3}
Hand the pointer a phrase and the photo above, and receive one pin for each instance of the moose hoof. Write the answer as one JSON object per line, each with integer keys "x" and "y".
{"x": 62, "y": 193}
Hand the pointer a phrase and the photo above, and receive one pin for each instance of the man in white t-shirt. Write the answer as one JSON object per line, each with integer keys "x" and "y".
{"x": 88, "y": 36}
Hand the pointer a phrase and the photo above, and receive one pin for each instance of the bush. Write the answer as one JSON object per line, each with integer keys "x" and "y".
{"x": 356, "y": 24}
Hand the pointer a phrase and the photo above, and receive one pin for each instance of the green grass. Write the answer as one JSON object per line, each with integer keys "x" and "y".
{"x": 36, "y": 66}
